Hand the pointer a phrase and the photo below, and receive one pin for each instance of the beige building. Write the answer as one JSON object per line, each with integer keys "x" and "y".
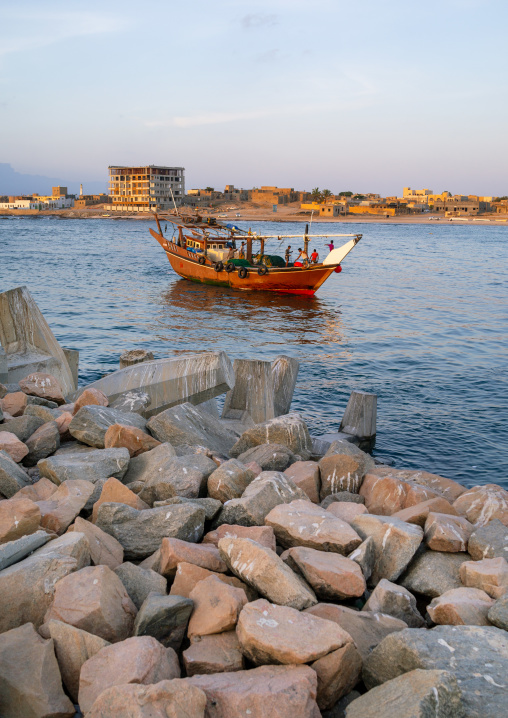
{"x": 144, "y": 189}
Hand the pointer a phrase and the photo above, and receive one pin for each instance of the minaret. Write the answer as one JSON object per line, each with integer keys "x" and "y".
{"x": 80, "y": 190}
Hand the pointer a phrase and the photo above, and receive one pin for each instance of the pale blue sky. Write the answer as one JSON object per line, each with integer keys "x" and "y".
{"x": 368, "y": 96}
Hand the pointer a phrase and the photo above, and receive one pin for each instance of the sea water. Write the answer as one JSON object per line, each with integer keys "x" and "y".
{"x": 418, "y": 316}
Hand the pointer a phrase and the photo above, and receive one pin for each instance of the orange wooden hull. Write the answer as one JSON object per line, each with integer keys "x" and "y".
{"x": 288, "y": 280}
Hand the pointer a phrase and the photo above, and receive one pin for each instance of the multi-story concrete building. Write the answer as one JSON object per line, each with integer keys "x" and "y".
{"x": 144, "y": 189}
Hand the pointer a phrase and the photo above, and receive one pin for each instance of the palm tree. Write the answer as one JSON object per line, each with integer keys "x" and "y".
{"x": 316, "y": 194}
{"x": 326, "y": 194}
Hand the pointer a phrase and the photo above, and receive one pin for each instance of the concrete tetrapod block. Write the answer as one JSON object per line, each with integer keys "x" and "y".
{"x": 28, "y": 342}
{"x": 360, "y": 416}
{"x": 284, "y": 374}
{"x": 72, "y": 356}
{"x": 3, "y": 366}
{"x": 252, "y": 393}
{"x": 193, "y": 378}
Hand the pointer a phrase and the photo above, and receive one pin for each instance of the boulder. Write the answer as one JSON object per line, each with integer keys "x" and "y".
{"x": 342, "y": 497}
{"x": 104, "y": 549}
{"x": 90, "y": 423}
{"x": 365, "y": 556}
{"x": 43, "y": 442}
{"x": 140, "y": 659}
{"x": 338, "y": 673}
{"x": 30, "y": 681}
{"x": 447, "y": 488}
{"x": 342, "y": 472}
{"x": 481, "y": 504}
{"x": 40, "y": 491}
{"x": 416, "y": 694}
{"x": 73, "y": 647}
{"x": 270, "y": 457}
{"x": 215, "y": 653}
{"x": 278, "y": 634}
{"x": 489, "y": 574}
{"x": 140, "y": 582}
{"x": 282, "y": 691}
{"x": 263, "y": 535}
{"x": 175, "y": 551}
{"x": 365, "y": 628}
{"x": 14, "y": 551}
{"x": 268, "y": 490}
{"x": 477, "y": 655}
{"x": 229, "y": 480}
{"x": 187, "y": 425}
{"x": 18, "y": 517}
{"x": 489, "y": 541}
{"x": 41, "y": 412}
{"x": 184, "y": 476}
{"x": 384, "y": 495}
{"x": 498, "y": 614}
{"x": 395, "y": 543}
{"x": 289, "y": 430}
{"x": 176, "y": 699}
{"x": 141, "y": 532}
{"x": 43, "y": 385}
{"x": 461, "y": 607}
{"x": 152, "y": 463}
{"x": 27, "y": 587}
{"x": 134, "y": 400}
{"x": 396, "y": 601}
{"x": 431, "y": 573}
{"x": 264, "y": 571}
{"x": 216, "y": 607}
{"x": 12, "y": 477}
{"x": 113, "y": 491}
{"x": 447, "y": 533}
{"x": 12, "y": 446}
{"x": 305, "y": 475}
{"x": 331, "y": 576}
{"x": 211, "y": 507}
{"x": 14, "y": 403}
{"x": 302, "y": 523}
{"x": 90, "y": 466}
{"x": 188, "y": 575}
{"x": 63, "y": 422}
{"x": 136, "y": 441}
{"x": 346, "y": 510}
{"x": 62, "y": 507}
{"x": 417, "y": 514}
{"x": 90, "y": 397}
{"x": 164, "y": 618}
{"x": 95, "y": 600}
{"x": 135, "y": 356}
{"x": 24, "y": 426}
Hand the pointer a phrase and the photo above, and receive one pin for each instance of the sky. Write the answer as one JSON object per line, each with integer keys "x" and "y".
{"x": 367, "y": 97}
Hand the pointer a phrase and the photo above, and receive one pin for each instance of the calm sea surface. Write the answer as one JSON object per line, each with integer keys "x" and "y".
{"x": 418, "y": 316}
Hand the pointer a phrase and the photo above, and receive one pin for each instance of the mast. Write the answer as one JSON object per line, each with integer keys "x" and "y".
{"x": 306, "y": 240}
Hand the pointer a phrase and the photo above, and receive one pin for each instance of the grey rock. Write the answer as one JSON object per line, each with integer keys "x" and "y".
{"x": 12, "y": 476}
{"x": 261, "y": 569}
{"x": 346, "y": 447}
{"x": 17, "y": 550}
{"x": 27, "y": 587}
{"x": 489, "y": 541}
{"x": 342, "y": 496}
{"x": 417, "y": 694}
{"x": 229, "y": 480}
{"x": 24, "y": 426}
{"x": 188, "y": 425}
{"x": 395, "y": 601}
{"x": 151, "y": 463}
{"x": 365, "y": 556}
{"x": 40, "y": 401}
{"x": 431, "y": 573}
{"x": 498, "y": 614}
{"x": 141, "y": 532}
{"x": 477, "y": 656}
{"x": 289, "y": 430}
{"x": 90, "y": 423}
{"x": 268, "y": 490}
{"x": 73, "y": 447}
{"x": 41, "y": 412}
{"x": 140, "y": 582}
{"x": 271, "y": 457}
{"x": 43, "y": 442}
{"x": 11, "y": 387}
{"x": 165, "y": 618}
{"x": 90, "y": 465}
{"x": 134, "y": 400}
{"x": 339, "y": 709}
{"x": 211, "y": 506}
{"x": 396, "y": 542}
{"x": 3, "y": 388}
{"x": 183, "y": 476}
{"x": 94, "y": 496}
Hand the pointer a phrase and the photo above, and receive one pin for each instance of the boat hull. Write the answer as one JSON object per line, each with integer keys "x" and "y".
{"x": 287, "y": 280}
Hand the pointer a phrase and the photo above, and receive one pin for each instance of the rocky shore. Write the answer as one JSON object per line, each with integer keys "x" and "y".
{"x": 168, "y": 563}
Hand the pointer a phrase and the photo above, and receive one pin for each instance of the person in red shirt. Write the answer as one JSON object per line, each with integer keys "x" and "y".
{"x": 314, "y": 257}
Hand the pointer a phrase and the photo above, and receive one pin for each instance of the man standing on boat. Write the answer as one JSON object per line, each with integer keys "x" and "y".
{"x": 314, "y": 257}
{"x": 331, "y": 246}
{"x": 288, "y": 254}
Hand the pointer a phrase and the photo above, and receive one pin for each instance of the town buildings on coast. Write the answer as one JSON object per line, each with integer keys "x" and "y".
{"x": 140, "y": 189}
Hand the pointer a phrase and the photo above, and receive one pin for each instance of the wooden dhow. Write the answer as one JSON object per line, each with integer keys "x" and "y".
{"x": 205, "y": 250}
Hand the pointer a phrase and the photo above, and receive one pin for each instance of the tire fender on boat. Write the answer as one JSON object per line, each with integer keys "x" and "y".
{"x": 230, "y": 267}
{"x": 262, "y": 270}
{"x": 218, "y": 266}
{"x": 243, "y": 272}
{"x": 202, "y": 260}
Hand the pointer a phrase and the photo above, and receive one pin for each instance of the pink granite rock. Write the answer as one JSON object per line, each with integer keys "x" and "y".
{"x": 261, "y": 534}
{"x": 447, "y": 533}
{"x": 489, "y": 574}
{"x": 216, "y": 607}
{"x": 45, "y": 386}
{"x": 10, "y": 443}
{"x": 481, "y": 504}
{"x": 332, "y": 577}
{"x": 461, "y": 607}
{"x": 305, "y": 474}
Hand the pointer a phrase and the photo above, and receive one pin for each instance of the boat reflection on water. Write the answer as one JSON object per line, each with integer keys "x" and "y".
{"x": 255, "y": 324}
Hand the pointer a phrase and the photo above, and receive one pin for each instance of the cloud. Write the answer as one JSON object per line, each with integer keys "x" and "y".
{"x": 211, "y": 118}
{"x": 254, "y": 21}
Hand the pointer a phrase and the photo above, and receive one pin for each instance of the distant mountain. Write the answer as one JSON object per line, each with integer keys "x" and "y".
{"x": 12, "y": 183}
